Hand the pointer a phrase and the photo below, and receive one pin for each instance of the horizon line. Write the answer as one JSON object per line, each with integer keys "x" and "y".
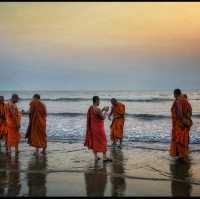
{"x": 90, "y": 90}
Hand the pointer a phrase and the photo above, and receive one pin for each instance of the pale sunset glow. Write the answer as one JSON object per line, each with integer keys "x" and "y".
{"x": 113, "y": 45}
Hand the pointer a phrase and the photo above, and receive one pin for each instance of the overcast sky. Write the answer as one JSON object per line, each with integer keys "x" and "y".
{"x": 113, "y": 45}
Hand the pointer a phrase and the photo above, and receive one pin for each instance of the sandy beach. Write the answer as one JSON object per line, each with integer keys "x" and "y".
{"x": 69, "y": 170}
{"x": 108, "y": 71}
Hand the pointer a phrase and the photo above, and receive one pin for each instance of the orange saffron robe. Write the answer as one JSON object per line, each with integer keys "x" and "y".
{"x": 180, "y": 135}
{"x": 13, "y": 117}
{"x": 3, "y": 126}
{"x": 117, "y": 125}
{"x": 95, "y": 138}
{"x": 36, "y": 131}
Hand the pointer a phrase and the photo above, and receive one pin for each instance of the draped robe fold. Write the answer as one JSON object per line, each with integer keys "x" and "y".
{"x": 117, "y": 125}
{"x": 36, "y": 132}
{"x": 13, "y": 117}
{"x": 95, "y": 133}
{"x": 180, "y": 135}
{"x": 3, "y": 125}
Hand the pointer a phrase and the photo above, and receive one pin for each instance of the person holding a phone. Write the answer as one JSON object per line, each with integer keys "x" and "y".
{"x": 95, "y": 132}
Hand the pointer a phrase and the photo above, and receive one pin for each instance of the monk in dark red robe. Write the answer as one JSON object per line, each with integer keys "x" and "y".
{"x": 13, "y": 118}
{"x": 181, "y": 123}
{"x": 95, "y": 133}
{"x": 117, "y": 125}
{"x": 3, "y": 125}
{"x": 36, "y": 132}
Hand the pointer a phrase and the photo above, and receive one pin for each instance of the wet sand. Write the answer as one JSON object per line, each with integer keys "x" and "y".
{"x": 69, "y": 170}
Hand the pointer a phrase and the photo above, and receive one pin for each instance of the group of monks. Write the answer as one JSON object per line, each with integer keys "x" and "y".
{"x": 95, "y": 138}
{"x": 181, "y": 113}
{"x": 10, "y": 119}
{"x": 95, "y": 132}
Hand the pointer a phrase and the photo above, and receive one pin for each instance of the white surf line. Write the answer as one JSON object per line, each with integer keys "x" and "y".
{"x": 63, "y": 151}
{"x": 141, "y": 147}
{"x": 149, "y": 148}
{"x": 123, "y": 146}
{"x": 159, "y": 171}
{"x": 44, "y": 172}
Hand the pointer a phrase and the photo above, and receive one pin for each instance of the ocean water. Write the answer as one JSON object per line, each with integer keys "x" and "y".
{"x": 147, "y": 114}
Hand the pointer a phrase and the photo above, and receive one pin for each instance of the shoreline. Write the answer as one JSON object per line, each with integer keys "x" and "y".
{"x": 70, "y": 170}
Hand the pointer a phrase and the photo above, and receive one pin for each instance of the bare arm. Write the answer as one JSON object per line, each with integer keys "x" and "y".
{"x": 111, "y": 112}
{"x": 102, "y": 113}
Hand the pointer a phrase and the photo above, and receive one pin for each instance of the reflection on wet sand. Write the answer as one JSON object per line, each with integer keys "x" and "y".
{"x": 118, "y": 182}
{"x": 36, "y": 176}
{"x": 14, "y": 185}
{"x": 9, "y": 175}
{"x": 96, "y": 180}
{"x": 3, "y": 174}
{"x": 180, "y": 171}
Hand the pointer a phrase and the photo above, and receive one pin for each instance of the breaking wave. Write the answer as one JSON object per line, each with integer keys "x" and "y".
{"x": 103, "y": 99}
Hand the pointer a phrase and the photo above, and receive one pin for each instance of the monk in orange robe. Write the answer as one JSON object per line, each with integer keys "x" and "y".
{"x": 13, "y": 117}
{"x": 36, "y": 132}
{"x": 3, "y": 126}
{"x": 95, "y": 138}
{"x": 117, "y": 125}
{"x": 181, "y": 111}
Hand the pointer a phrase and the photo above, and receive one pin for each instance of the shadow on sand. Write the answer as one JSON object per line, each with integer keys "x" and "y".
{"x": 118, "y": 182}
{"x": 9, "y": 175}
{"x": 96, "y": 177}
{"x": 36, "y": 176}
{"x": 180, "y": 185}
{"x": 96, "y": 180}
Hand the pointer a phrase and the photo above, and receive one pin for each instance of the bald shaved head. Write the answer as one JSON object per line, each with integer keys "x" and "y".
{"x": 15, "y": 98}
{"x": 113, "y": 101}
